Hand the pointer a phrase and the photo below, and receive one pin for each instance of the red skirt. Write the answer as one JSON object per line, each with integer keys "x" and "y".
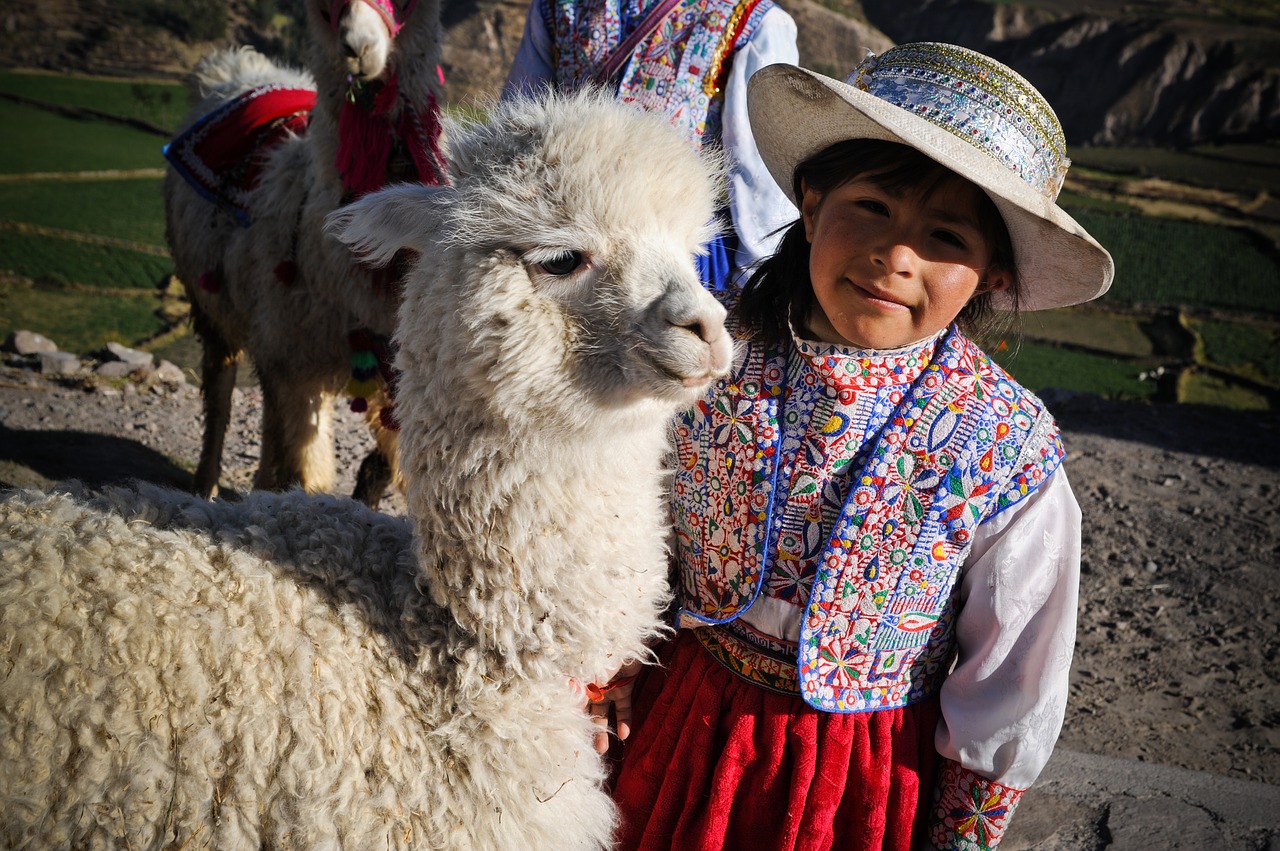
{"x": 717, "y": 762}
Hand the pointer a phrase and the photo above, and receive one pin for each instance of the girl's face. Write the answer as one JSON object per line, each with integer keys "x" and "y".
{"x": 892, "y": 267}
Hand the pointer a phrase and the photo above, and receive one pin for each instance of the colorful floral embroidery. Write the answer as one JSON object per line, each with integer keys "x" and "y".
{"x": 970, "y": 812}
{"x": 678, "y": 69}
{"x": 930, "y": 458}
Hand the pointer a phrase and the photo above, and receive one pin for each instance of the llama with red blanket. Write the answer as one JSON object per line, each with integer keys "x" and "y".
{"x": 264, "y": 156}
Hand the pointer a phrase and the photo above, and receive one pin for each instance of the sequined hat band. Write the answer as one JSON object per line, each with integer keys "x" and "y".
{"x": 979, "y": 100}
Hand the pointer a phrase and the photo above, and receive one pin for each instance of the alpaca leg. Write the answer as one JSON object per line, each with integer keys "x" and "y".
{"x": 378, "y": 470}
{"x": 297, "y": 437}
{"x": 373, "y": 479}
{"x": 218, "y": 362}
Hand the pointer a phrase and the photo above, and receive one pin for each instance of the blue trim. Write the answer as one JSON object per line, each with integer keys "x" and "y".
{"x": 715, "y": 268}
{"x": 779, "y": 405}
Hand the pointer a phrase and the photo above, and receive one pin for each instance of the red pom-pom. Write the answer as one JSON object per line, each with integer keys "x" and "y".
{"x": 388, "y": 419}
{"x": 286, "y": 272}
{"x": 359, "y": 405}
{"x": 210, "y": 282}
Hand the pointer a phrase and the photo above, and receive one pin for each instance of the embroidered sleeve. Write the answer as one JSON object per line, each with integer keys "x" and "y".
{"x": 969, "y": 812}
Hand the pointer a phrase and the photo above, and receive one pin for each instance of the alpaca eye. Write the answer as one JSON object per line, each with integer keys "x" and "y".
{"x": 564, "y": 263}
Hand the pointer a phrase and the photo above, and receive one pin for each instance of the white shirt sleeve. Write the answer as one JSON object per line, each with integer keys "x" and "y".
{"x": 757, "y": 205}
{"x": 531, "y": 70}
{"x": 1003, "y": 704}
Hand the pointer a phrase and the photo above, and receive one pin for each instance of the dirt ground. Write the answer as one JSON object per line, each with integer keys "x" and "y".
{"x": 1179, "y": 600}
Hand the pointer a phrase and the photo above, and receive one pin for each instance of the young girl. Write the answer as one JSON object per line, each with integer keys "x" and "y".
{"x": 877, "y": 547}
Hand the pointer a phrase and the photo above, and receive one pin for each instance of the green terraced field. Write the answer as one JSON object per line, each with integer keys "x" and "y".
{"x": 55, "y": 261}
{"x": 159, "y": 104}
{"x": 121, "y": 209}
{"x": 48, "y": 142}
{"x": 1161, "y": 261}
{"x": 1039, "y": 367}
{"x": 80, "y": 322}
{"x": 82, "y": 294}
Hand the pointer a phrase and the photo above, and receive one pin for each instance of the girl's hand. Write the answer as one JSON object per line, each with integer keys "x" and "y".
{"x": 617, "y": 693}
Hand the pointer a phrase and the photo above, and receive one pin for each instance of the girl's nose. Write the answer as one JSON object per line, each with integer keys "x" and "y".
{"x": 895, "y": 256}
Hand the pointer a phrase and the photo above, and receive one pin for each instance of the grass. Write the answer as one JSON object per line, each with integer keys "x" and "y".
{"x": 122, "y": 209}
{"x": 1249, "y": 350}
{"x": 1162, "y": 261}
{"x": 160, "y": 104}
{"x": 80, "y": 322}
{"x": 1038, "y": 367}
{"x": 54, "y": 262}
{"x": 1094, "y": 329}
{"x": 54, "y": 143}
{"x": 1197, "y": 388}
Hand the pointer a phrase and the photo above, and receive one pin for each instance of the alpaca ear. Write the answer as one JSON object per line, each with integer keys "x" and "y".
{"x": 382, "y": 223}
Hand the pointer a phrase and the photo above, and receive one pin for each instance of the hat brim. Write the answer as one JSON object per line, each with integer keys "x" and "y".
{"x": 796, "y": 113}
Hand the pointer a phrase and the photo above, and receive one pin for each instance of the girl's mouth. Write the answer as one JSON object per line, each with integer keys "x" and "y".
{"x": 878, "y": 298}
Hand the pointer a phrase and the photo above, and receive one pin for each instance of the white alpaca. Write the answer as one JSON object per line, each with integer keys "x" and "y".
{"x": 298, "y": 671}
{"x": 281, "y": 289}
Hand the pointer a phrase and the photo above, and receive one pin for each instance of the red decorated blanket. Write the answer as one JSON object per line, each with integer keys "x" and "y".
{"x": 222, "y": 154}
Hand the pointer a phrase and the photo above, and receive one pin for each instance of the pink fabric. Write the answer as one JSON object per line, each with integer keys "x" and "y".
{"x": 393, "y": 17}
{"x": 719, "y": 763}
{"x": 367, "y": 137}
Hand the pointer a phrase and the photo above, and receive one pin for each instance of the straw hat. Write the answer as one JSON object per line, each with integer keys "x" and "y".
{"x": 973, "y": 115}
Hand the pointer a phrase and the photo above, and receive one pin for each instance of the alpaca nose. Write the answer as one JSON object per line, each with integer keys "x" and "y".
{"x": 698, "y": 327}
{"x": 704, "y": 317}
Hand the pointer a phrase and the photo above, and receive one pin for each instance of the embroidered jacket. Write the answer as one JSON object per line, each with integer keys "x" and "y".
{"x": 964, "y": 442}
{"x": 678, "y": 69}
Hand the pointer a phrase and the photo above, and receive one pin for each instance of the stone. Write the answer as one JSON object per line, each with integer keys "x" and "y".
{"x": 133, "y": 357}
{"x": 1162, "y": 823}
{"x": 113, "y": 369}
{"x": 58, "y": 363}
{"x": 28, "y": 343}
{"x": 170, "y": 373}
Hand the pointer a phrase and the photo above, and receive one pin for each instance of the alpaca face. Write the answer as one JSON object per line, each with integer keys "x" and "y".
{"x": 560, "y": 260}
{"x": 634, "y": 321}
{"x": 364, "y": 39}
{"x": 357, "y": 36}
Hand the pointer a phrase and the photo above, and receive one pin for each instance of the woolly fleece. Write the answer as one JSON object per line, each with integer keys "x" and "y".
{"x": 295, "y": 671}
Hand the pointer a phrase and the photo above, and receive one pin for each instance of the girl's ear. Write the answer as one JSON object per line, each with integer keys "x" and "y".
{"x": 994, "y": 281}
{"x": 810, "y": 201}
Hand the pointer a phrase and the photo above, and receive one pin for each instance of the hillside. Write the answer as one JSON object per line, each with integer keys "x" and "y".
{"x": 1175, "y": 73}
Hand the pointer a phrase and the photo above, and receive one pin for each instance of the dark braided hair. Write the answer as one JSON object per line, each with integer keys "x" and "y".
{"x": 780, "y": 287}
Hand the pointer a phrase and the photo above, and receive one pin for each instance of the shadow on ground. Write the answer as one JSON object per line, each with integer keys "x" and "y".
{"x": 39, "y": 458}
{"x": 1248, "y": 437}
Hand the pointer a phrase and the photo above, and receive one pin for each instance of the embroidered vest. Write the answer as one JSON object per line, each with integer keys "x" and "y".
{"x": 679, "y": 69}
{"x": 965, "y": 442}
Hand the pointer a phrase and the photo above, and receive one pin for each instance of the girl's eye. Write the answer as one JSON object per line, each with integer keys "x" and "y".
{"x": 873, "y": 206}
{"x": 949, "y": 238}
{"x": 564, "y": 263}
